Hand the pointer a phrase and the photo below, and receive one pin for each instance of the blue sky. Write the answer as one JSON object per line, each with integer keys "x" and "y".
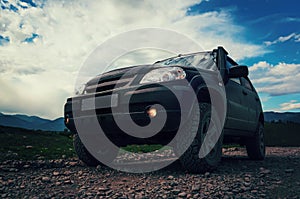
{"x": 264, "y": 20}
{"x": 273, "y": 23}
{"x": 43, "y": 44}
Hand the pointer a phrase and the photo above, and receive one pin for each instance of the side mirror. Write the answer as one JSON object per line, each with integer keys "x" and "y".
{"x": 238, "y": 71}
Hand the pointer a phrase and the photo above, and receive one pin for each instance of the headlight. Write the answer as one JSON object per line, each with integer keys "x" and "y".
{"x": 163, "y": 75}
{"x": 80, "y": 89}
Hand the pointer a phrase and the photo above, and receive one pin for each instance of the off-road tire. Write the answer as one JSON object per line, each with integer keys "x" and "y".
{"x": 197, "y": 124}
{"x": 255, "y": 146}
{"x": 83, "y": 153}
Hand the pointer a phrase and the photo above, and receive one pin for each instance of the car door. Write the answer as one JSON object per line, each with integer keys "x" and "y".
{"x": 250, "y": 101}
{"x": 236, "y": 111}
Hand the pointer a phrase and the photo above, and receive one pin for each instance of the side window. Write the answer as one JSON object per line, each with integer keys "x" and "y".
{"x": 236, "y": 80}
{"x": 228, "y": 65}
{"x": 247, "y": 84}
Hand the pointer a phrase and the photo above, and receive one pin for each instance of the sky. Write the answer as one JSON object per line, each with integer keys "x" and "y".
{"x": 44, "y": 43}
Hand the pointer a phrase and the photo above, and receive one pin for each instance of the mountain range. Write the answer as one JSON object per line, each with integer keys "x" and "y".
{"x": 37, "y": 123}
{"x": 32, "y": 122}
{"x": 284, "y": 117}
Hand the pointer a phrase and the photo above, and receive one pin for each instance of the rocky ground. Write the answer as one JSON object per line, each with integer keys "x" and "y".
{"x": 236, "y": 177}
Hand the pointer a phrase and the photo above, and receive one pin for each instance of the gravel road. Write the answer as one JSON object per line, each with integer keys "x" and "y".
{"x": 237, "y": 177}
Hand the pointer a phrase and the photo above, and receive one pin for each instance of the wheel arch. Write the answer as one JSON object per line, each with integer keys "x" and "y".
{"x": 204, "y": 96}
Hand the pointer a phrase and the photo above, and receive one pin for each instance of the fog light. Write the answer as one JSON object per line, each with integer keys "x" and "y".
{"x": 152, "y": 112}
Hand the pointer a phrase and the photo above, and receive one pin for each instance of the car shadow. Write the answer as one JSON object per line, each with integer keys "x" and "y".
{"x": 231, "y": 164}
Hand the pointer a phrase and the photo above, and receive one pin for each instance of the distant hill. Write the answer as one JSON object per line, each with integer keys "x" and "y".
{"x": 284, "y": 117}
{"x": 37, "y": 123}
{"x": 54, "y": 125}
{"x": 32, "y": 122}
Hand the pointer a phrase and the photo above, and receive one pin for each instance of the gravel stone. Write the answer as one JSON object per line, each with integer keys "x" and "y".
{"x": 45, "y": 179}
{"x": 175, "y": 191}
{"x": 195, "y": 188}
{"x": 236, "y": 177}
{"x": 182, "y": 195}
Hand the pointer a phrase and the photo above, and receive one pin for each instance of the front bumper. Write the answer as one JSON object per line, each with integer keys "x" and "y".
{"x": 109, "y": 106}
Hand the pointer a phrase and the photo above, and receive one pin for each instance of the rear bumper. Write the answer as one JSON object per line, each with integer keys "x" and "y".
{"x": 105, "y": 108}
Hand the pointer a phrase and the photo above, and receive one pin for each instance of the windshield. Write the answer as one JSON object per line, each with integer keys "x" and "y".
{"x": 203, "y": 60}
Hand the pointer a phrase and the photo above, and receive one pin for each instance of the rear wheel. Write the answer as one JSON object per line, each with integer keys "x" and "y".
{"x": 256, "y": 145}
{"x": 191, "y": 159}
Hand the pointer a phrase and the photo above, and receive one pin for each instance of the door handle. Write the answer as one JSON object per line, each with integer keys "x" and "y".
{"x": 245, "y": 93}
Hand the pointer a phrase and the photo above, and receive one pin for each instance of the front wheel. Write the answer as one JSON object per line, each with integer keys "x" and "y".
{"x": 105, "y": 153}
{"x": 199, "y": 122}
{"x": 256, "y": 145}
{"x": 82, "y": 153}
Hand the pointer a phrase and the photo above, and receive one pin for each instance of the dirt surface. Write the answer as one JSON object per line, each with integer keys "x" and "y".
{"x": 278, "y": 176}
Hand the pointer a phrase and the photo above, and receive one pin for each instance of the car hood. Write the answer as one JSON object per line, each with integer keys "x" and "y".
{"x": 133, "y": 70}
{"x": 122, "y": 72}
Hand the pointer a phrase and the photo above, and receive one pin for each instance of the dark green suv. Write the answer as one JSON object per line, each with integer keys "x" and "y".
{"x": 167, "y": 83}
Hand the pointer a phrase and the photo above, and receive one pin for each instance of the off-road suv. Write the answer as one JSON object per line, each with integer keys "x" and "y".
{"x": 166, "y": 83}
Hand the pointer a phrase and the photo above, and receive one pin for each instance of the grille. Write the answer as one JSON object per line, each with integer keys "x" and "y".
{"x": 107, "y": 84}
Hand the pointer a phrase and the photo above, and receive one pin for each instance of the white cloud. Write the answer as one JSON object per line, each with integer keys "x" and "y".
{"x": 291, "y": 19}
{"x": 297, "y": 38}
{"x": 265, "y": 98}
{"x": 280, "y": 79}
{"x": 282, "y": 39}
{"x": 37, "y": 77}
{"x": 291, "y": 105}
{"x": 260, "y": 65}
